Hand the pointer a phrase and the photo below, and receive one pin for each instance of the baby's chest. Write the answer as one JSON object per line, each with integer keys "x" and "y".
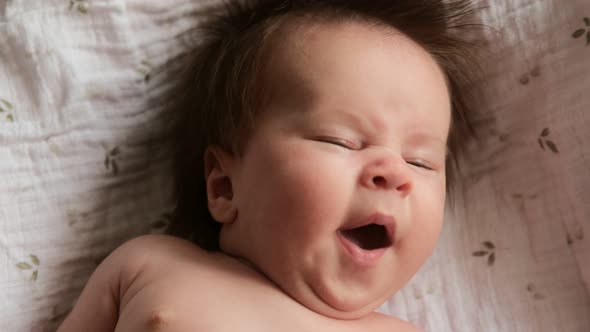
{"x": 186, "y": 310}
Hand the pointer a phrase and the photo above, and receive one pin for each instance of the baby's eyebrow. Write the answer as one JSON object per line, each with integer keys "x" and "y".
{"x": 428, "y": 140}
{"x": 351, "y": 118}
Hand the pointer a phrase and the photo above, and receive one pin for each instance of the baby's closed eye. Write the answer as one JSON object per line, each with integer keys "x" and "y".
{"x": 420, "y": 164}
{"x": 342, "y": 142}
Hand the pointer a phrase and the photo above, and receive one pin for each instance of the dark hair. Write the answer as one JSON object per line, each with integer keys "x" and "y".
{"x": 218, "y": 98}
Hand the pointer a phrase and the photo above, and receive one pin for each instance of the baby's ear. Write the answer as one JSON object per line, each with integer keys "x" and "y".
{"x": 218, "y": 176}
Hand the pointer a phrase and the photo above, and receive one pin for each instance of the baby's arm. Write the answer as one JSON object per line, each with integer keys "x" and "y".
{"x": 97, "y": 308}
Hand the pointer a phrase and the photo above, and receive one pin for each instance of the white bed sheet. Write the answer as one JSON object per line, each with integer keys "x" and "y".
{"x": 80, "y": 172}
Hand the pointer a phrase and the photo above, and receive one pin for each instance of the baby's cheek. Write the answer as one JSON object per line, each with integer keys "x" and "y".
{"x": 426, "y": 222}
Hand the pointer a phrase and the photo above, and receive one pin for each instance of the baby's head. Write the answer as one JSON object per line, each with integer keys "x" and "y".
{"x": 313, "y": 142}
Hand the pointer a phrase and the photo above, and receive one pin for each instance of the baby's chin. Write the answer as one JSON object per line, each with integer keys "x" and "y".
{"x": 324, "y": 296}
{"x": 325, "y": 301}
{"x": 330, "y": 310}
{"x": 337, "y": 304}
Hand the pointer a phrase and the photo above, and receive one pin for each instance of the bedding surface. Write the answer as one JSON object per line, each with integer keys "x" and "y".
{"x": 82, "y": 169}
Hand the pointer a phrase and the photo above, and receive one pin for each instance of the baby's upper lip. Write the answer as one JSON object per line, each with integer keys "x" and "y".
{"x": 377, "y": 218}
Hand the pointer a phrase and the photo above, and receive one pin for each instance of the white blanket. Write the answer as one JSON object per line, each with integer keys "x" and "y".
{"x": 80, "y": 172}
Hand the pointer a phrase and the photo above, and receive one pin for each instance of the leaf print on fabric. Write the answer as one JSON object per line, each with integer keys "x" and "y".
{"x": 544, "y": 141}
{"x": 24, "y": 266}
{"x": 491, "y": 259}
{"x": 5, "y": 109}
{"x": 578, "y": 235}
{"x": 5, "y": 105}
{"x": 32, "y": 264}
{"x": 80, "y": 5}
{"x": 110, "y": 160}
{"x": 34, "y": 259}
{"x": 489, "y": 245}
{"x": 527, "y": 77}
{"x": 583, "y": 31}
{"x": 488, "y": 252}
{"x": 480, "y": 253}
{"x": 578, "y": 33}
{"x": 144, "y": 68}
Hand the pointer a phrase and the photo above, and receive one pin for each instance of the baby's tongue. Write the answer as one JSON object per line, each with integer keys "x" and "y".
{"x": 368, "y": 237}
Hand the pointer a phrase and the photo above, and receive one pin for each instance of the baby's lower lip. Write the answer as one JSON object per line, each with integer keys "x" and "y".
{"x": 360, "y": 256}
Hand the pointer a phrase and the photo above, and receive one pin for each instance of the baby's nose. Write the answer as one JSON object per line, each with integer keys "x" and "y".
{"x": 388, "y": 172}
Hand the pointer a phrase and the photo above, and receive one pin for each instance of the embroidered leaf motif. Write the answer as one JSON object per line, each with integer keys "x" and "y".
{"x": 545, "y": 132}
{"x": 27, "y": 266}
{"x": 552, "y": 146}
{"x": 144, "y": 68}
{"x": 541, "y": 144}
{"x": 110, "y": 162}
{"x": 6, "y": 104}
{"x": 24, "y": 266}
{"x": 489, "y": 245}
{"x": 480, "y": 253}
{"x": 83, "y": 8}
{"x": 491, "y": 255}
{"x": 588, "y": 38}
{"x": 491, "y": 259}
{"x": 34, "y": 259}
{"x": 578, "y": 33}
{"x": 587, "y": 21}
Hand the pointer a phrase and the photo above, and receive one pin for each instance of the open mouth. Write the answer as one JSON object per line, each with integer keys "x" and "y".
{"x": 368, "y": 237}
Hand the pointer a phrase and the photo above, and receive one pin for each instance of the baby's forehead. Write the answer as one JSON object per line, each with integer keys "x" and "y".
{"x": 297, "y": 41}
{"x": 358, "y": 69}
{"x": 300, "y": 55}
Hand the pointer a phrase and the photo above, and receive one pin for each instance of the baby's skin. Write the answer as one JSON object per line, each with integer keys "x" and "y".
{"x": 162, "y": 283}
{"x": 333, "y": 206}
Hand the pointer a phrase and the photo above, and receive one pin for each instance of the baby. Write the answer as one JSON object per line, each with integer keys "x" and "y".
{"x": 313, "y": 141}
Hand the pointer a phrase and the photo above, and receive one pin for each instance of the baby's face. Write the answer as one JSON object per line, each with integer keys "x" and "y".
{"x": 355, "y": 134}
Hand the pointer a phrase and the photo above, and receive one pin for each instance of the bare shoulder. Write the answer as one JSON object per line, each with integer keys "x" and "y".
{"x": 142, "y": 253}
{"x": 121, "y": 276}
{"x": 156, "y": 246}
{"x": 387, "y": 323}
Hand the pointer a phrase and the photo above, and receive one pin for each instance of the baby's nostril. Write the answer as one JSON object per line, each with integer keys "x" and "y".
{"x": 379, "y": 180}
{"x": 404, "y": 187}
